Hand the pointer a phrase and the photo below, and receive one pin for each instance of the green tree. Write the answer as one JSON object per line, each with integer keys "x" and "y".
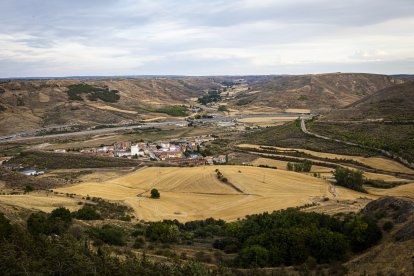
{"x": 59, "y": 220}
{"x": 37, "y": 223}
{"x": 155, "y": 193}
{"x": 349, "y": 178}
{"x": 87, "y": 213}
{"x": 5, "y": 227}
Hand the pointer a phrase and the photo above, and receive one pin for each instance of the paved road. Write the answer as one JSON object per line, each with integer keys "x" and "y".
{"x": 22, "y": 136}
{"x": 384, "y": 152}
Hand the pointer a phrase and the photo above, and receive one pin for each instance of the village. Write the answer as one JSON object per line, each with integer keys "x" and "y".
{"x": 180, "y": 152}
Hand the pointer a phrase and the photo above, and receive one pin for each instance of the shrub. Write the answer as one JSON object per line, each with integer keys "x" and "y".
{"x": 387, "y": 226}
{"x": 155, "y": 193}
{"x": 109, "y": 234}
{"x": 87, "y": 213}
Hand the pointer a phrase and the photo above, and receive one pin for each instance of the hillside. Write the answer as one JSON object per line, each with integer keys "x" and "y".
{"x": 320, "y": 93}
{"x": 29, "y": 104}
{"x": 392, "y": 103}
{"x": 394, "y": 253}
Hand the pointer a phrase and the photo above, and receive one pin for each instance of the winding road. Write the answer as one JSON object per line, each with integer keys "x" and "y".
{"x": 384, "y": 152}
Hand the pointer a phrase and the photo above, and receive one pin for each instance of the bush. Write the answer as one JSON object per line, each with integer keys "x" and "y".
{"x": 388, "y": 226}
{"x": 87, "y": 213}
{"x": 163, "y": 232}
{"x": 56, "y": 222}
{"x": 109, "y": 234}
{"x": 155, "y": 193}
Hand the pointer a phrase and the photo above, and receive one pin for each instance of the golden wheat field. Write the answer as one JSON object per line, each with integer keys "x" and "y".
{"x": 196, "y": 193}
{"x": 406, "y": 190}
{"x": 37, "y": 201}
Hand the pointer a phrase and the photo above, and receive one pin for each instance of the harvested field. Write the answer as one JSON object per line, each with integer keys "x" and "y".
{"x": 196, "y": 193}
{"x": 267, "y": 119}
{"x": 39, "y": 201}
{"x": 297, "y": 110}
{"x": 400, "y": 191}
{"x": 283, "y": 164}
{"x": 374, "y": 162}
{"x": 111, "y": 108}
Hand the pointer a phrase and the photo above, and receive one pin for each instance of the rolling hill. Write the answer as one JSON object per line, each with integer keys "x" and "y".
{"x": 29, "y": 104}
{"x": 392, "y": 103}
{"x": 32, "y": 104}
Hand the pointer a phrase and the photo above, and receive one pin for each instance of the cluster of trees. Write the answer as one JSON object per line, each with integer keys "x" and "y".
{"x": 212, "y": 96}
{"x": 349, "y": 178}
{"x": 24, "y": 253}
{"x": 291, "y": 237}
{"x": 93, "y": 93}
{"x": 52, "y": 244}
{"x": 175, "y": 110}
{"x": 304, "y": 166}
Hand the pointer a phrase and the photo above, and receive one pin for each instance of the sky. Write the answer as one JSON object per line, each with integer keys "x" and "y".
{"x": 45, "y": 38}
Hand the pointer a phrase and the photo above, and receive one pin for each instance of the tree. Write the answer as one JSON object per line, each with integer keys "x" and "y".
{"x": 87, "y": 213}
{"x": 289, "y": 166}
{"x": 5, "y": 227}
{"x": 37, "y": 223}
{"x": 59, "y": 220}
{"x": 349, "y": 178}
{"x": 155, "y": 193}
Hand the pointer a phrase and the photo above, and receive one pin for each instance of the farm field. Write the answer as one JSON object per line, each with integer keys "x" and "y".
{"x": 39, "y": 201}
{"x": 374, "y": 162}
{"x": 196, "y": 193}
{"x": 406, "y": 191}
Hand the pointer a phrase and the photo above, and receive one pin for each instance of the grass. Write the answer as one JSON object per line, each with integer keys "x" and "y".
{"x": 172, "y": 110}
{"x": 289, "y": 135}
{"x": 397, "y": 138}
{"x": 48, "y": 160}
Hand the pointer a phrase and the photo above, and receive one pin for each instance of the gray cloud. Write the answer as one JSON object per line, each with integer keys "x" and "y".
{"x": 59, "y": 37}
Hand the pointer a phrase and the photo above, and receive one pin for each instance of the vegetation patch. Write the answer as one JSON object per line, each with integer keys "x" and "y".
{"x": 211, "y": 97}
{"x": 51, "y": 160}
{"x": 396, "y": 137}
{"x": 173, "y": 110}
{"x": 350, "y": 179}
{"x": 92, "y": 93}
{"x": 290, "y": 135}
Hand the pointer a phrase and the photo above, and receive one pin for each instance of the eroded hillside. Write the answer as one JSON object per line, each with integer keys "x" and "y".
{"x": 28, "y": 104}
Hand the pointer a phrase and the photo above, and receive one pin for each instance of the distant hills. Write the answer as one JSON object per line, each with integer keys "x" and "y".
{"x": 35, "y": 103}
{"x": 391, "y": 103}
{"x": 320, "y": 93}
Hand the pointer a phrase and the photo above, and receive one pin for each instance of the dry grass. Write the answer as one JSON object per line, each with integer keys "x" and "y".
{"x": 297, "y": 110}
{"x": 39, "y": 201}
{"x": 111, "y": 108}
{"x": 400, "y": 191}
{"x": 267, "y": 119}
{"x": 195, "y": 193}
{"x": 281, "y": 165}
{"x": 374, "y": 162}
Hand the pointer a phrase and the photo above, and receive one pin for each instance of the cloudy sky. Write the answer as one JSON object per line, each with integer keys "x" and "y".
{"x": 205, "y": 37}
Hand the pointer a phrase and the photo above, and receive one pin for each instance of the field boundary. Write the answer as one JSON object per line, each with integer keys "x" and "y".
{"x": 392, "y": 155}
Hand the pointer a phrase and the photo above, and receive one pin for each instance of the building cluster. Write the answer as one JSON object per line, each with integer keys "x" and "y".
{"x": 182, "y": 152}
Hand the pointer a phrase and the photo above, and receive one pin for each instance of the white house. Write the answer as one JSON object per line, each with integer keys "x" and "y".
{"x": 135, "y": 150}
{"x": 33, "y": 172}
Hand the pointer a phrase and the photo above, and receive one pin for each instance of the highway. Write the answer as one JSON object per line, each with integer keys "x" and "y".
{"x": 22, "y": 136}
